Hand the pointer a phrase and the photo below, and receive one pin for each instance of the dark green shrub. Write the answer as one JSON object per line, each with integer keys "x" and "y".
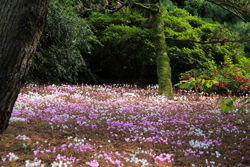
{"x": 58, "y": 58}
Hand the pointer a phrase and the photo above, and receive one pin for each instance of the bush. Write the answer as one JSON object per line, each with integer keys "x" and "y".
{"x": 58, "y": 58}
{"x": 233, "y": 79}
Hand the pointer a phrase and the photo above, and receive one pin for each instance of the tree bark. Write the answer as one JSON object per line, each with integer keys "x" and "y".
{"x": 147, "y": 13}
{"x": 162, "y": 59}
{"x": 21, "y": 24}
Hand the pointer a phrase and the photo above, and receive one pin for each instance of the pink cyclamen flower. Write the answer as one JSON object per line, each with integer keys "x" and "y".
{"x": 234, "y": 151}
{"x": 93, "y": 163}
{"x": 35, "y": 152}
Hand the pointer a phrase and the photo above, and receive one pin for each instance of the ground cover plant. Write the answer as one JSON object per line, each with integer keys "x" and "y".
{"x": 122, "y": 125}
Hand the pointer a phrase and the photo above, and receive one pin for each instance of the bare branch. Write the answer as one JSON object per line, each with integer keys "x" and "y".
{"x": 209, "y": 42}
{"x": 147, "y": 6}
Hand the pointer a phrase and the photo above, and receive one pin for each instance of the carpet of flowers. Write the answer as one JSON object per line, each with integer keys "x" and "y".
{"x": 122, "y": 125}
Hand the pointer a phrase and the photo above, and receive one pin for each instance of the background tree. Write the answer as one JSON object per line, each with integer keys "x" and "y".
{"x": 129, "y": 48}
{"x": 209, "y": 12}
{"x": 21, "y": 25}
{"x": 165, "y": 85}
{"x": 213, "y": 13}
{"x": 162, "y": 59}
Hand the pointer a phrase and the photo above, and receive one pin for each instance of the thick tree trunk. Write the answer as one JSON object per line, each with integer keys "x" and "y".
{"x": 21, "y": 24}
{"x": 162, "y": 59}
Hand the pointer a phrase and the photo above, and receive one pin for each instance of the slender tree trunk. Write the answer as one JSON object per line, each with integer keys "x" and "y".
{"x": 147, "y": 13}
{"x": 21, "y": 24}
{"x": 162, "y": 59}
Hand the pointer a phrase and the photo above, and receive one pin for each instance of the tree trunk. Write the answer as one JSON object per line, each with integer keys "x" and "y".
{"x": 162, "y": 59}
{"x": 147, "y": 13}
{"x": 21, "y": 24}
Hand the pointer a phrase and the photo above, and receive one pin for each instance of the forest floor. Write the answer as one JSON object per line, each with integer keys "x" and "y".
{"x": 122, "y": 126}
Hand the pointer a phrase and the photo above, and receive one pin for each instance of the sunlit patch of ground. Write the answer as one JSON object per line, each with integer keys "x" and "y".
{"x": 122, "y": 125}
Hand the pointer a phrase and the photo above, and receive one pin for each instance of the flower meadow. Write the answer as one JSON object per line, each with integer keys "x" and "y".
{"x": 122, "y": 125}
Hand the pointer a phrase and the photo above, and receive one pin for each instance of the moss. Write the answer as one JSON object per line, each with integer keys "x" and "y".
{"x": 162, "y": 59}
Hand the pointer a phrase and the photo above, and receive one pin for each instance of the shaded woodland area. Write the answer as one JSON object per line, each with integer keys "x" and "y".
{"x": 124, "y": 83}
{"x": 83, "y": 46}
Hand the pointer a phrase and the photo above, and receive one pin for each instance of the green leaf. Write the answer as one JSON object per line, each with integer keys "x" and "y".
{"x": 177, "y": 84}
{"x": 230, "y": 105}
{"x": 234, "y": 98}
{"x": 182, "y": 86}
{"x": 245, "y": 100}
{"x": 222, "y": 99}
{"x": 191, "y": 79}
{"x": 187, "y": 86}
{"x": 228, "y": 99}
{"x": 192, "y": 85}
{"x": 203, "y": 81}
{"x": 209, "y": 84}
{"x": 223, "y": 106}
{"x": 241, "y": 110}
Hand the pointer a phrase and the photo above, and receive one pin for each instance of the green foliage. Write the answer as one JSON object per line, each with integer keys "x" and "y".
{"x": 168, "y": 3}
{"x": 226, "y": 104}
{"x": 208, "y": 11}
{"x": 240, "y": 28}
{"x": 214, "y": 14}
{"x": 196, "y": 84}
{"x": 245, "y": 101}
{"x": 188, "y": 55}
{"x": 128, "y": 46}
{"x": 58, "y": 58}
{"x": 232, "y": 78}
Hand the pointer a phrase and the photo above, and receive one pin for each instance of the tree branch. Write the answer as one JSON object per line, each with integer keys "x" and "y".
{"x": 117, "y": 9}
{"x": 210, "y": 42}
{"x": 136, "y": 4}
{"x": 228, "y": 4}
{"x": 145, "y": 6}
